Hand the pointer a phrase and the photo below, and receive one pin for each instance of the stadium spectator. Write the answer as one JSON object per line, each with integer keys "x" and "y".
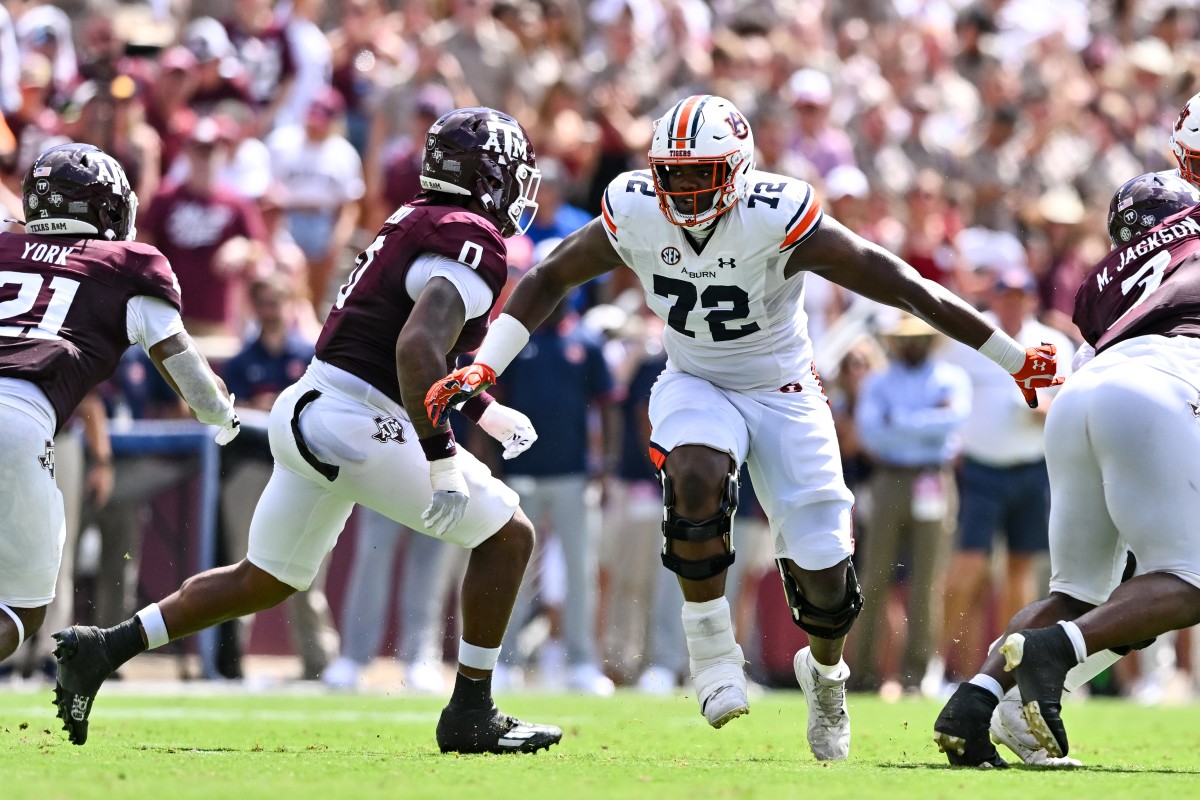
{"x": 553, "y": 484}
{"x": 421, "y": 593}
{"x": 266, "y": 366}
{"x": 908, "y": 417}
{"x": 211, "y": 236}
{"x": 1004, "y": 491}
{"x": 320, "y": 177}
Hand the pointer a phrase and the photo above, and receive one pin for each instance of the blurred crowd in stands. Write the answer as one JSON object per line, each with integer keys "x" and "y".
{"x": 980, "y": 140}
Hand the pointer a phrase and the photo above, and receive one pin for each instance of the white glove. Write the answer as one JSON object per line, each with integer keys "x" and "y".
{"x": 230, "y": 428}
{"x": 509, "y": 427}
{"x": 450, "y": 496}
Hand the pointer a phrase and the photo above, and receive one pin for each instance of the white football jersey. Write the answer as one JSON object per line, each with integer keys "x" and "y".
{"x": 731, "y": 317}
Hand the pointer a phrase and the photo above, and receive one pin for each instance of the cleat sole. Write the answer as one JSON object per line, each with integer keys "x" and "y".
{"x": 1032, "y": 712}
{"x": 729, "y": 716}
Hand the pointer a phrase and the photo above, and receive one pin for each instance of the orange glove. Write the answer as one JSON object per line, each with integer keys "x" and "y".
{"x": 1037, "y": 372}
{"x": 457, "y": 387}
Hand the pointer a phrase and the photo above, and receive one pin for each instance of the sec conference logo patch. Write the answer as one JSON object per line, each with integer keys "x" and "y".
{"x": 670, "y": 256}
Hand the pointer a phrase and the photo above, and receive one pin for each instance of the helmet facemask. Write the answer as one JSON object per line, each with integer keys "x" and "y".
{"x": 701, "y": 131}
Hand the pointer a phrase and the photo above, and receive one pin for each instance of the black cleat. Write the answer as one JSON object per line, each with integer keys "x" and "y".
{"x": 1042, "y": 657}
{"x": 83, "y": 666}
{"x": 961, "y": 730}
{"x": 480, "y": 730}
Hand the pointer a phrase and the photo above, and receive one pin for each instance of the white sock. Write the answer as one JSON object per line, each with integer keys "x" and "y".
{"x": 1076, "y": 637}
{"x": 154, "y": 626}
{"x": 989, "y": 683}
{"x": 1093, "y": 666}
{"x": 838, "y": 671}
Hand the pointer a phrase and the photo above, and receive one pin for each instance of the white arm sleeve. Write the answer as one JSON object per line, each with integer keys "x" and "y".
{"x": 149, "y": 320}
{"x": 476, "y": 295}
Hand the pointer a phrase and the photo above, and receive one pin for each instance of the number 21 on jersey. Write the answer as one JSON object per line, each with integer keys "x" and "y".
{"x": 15, "y": 319}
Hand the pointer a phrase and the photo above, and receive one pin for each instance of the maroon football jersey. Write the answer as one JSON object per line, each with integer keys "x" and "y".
{"x": 361, "y": 331}
{"x": 1149, "y": 286}
{"x": 62, "y": 309}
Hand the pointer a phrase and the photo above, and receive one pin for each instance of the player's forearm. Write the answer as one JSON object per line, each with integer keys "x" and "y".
{"x": 420, "y": 363}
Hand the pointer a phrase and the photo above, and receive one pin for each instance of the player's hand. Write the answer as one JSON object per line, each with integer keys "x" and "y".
{"x": 509, "y": 427}
{"x": 1037, "y": 372}
{"x": 457, "y": 387}
{"x": 231, "y": 428}
{"x": 450, "y": 496}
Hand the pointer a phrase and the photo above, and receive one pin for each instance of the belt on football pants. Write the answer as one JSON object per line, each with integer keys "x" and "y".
{"x": 328, "y": 471}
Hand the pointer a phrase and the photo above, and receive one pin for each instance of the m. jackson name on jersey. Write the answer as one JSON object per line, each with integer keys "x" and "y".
{"x": 1150, "y": 286}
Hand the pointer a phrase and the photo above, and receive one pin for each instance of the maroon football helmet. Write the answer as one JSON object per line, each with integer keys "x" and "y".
{"x": 485, "y": 154}
{"x": 78, "y": 190}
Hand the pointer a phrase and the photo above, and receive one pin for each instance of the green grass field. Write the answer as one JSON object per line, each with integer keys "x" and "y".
{"x": 291, "y": 746}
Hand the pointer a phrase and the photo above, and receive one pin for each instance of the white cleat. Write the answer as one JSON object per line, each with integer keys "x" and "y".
{"x": 721, "y": 690}
{"x": 1010, "y": 729}
{"x": 828, "y": 720}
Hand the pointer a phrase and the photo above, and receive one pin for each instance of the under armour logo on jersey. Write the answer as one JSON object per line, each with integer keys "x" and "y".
{"x": 1038, "y": 366}
{"x": 389, "y": 430}
{"x": 47, "y": 459}
{"x": 726, "y": 262}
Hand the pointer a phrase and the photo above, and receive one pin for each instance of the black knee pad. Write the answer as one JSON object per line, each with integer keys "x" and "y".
{"x": 688, "y": 530}
{"x": 829, "y": 624}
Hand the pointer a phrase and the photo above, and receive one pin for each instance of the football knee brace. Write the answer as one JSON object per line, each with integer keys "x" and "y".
{"x": 825, "y": 623}
{"x": 16, "y": 621}
{"x": 689, "y": 530}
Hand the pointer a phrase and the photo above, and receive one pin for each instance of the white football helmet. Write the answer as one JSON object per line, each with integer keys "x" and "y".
{"x": 702, "y": 129}
{"x": 1185, "y": 140}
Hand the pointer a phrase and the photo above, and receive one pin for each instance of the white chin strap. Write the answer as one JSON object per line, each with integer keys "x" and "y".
{"x": 16, "y": 621}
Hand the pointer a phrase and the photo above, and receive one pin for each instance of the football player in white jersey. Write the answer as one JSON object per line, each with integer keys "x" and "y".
{"x": 721, "y": 250}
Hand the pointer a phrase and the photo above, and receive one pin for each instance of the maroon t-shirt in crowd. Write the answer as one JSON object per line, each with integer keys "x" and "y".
{"x": 189, "y": 228}
{"x": 361, "y": 331}
{"x": 63, "y": 306}
{"x": 1149, "y": 286}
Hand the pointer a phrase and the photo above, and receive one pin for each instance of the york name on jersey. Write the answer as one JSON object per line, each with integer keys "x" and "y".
{"x": 732, "y": 318}
{"x": 1149, "y": 286}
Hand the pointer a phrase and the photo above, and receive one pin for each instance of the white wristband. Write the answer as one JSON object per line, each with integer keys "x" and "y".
{"x": 1004, "y": 350}
{"x": 505, "y": 338}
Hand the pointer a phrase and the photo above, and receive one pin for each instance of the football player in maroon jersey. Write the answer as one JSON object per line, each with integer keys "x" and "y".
{"x": 1121, "y": 444}
{"x": 75, "y": 292}
{"x": 418, "y": 297}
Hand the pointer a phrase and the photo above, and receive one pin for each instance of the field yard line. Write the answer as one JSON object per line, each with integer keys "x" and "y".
{"x": 263, "y": 715}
